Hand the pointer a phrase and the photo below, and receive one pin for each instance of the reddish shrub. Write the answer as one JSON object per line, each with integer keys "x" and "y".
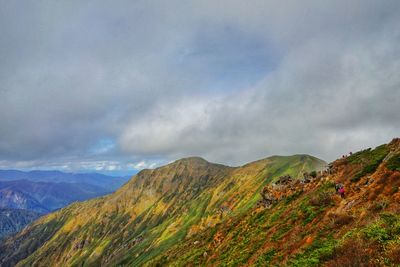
{"x": 322, "y": 199}
{"x": 394, "y": 254}
{"x": 354, "y": 253}
{"x": 342, "y": 219}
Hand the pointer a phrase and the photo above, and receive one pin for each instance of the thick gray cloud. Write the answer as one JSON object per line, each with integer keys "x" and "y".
{"x": 128, "y": 84}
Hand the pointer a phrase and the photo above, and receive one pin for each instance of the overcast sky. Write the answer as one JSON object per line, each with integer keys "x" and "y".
{"x": 123, "y": 85}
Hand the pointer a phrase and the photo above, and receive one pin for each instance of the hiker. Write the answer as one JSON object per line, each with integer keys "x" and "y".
{"x": 338, "y": 186}
{"x": 341, "y": 192}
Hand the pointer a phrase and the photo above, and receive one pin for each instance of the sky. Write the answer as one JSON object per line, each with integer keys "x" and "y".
{"x": 118, "y": 86}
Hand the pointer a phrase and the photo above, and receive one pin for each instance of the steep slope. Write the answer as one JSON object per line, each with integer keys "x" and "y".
{"x": 310, "y": 224}
{"x": 108, "y": 183}
{"x": 149, "y": 214}
{"x": 44, "y": 197}
{"x": 13, "y": 220}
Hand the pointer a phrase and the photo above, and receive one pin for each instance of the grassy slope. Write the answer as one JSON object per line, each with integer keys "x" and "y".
{"x": 192, "y": 213}
{"x": 163, "y": 207}
{"x": 314, "y": 226}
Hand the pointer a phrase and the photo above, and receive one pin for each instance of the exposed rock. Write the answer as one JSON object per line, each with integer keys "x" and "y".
{"x": 225, "y": 209}
{"x": 138, "y": 239}
{"x": 350, "y": 204}
{"x": 268, "y": 198}
{"x": 369, "y": 181}
{"x": 306, "y": 178}
{"x": 81, "y": 244}
{"x": 286, "y": 179}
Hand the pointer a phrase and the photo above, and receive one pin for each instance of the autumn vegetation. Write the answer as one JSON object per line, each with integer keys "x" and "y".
{"x": 195, "y": 213}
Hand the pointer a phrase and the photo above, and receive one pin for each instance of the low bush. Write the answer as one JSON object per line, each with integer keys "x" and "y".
{"x": 341, "y": 219}
{"x": 266, "y": 258}
{"x": 370, "y": 159}
{"x": 376, "y": 232}
{"x": 322, "y": 199}
{"x": 281, "y": 232}
{"x": 380, "y": 204}
{"x": 393, "y": 253}
{"x": 353, "y": 253}
{"x": 387, "y": 228}
{"x": 369, "y": 154}
{"x": 319, "y": 251}
{"x": 394, "y": 163}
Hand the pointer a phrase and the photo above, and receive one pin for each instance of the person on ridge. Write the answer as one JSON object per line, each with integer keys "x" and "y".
{"x": 341, "y": 191}
{"x": 338, "y": 186}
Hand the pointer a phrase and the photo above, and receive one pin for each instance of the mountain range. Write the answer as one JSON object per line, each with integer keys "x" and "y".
{"x": 13, "y": 220}
{"x": 44, "y": 197}
{"x": 40, "y": 192}
{"x": 110, "y": 183}
{"x": 278, "y": 211}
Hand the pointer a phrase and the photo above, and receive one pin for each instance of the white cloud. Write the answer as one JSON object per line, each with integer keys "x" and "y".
{"x": 231, "y": 81}
{"x": 142, "y": 165}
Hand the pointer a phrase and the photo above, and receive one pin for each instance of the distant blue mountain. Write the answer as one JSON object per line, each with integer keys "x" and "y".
{"x": 24, "y": 196}
{"x": 111, "y": 183}
{"x": 44, "y": 197}
{"x": 13, "y": 220}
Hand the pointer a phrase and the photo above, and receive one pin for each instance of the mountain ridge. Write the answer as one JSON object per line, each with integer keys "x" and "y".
{"x": 109, "y": 182}
{"x": 309, "y": 224}
{"x": 47, "y": 196}
{"x": 275, "y": 211}
{"x": 46, "y": 191}
{"x": 164, "y": 204}
{"x": 15, "y": 199}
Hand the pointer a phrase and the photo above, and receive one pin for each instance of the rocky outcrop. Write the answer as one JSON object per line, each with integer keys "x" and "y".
{"x": 284, "y": 187}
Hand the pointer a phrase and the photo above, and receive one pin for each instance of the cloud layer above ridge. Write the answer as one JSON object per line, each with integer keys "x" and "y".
{"x": 129, "y": 84}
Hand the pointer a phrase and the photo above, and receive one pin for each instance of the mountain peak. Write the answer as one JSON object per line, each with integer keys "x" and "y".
{"x": 193, "y": 160}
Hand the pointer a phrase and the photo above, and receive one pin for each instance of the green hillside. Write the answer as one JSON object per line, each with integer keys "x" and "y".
{"x": 195, "y": 213}
{"x": 150, "y": 214}
{"x": 311, "y": 225}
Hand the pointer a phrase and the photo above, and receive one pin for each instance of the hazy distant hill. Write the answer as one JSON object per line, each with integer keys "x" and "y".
{"x": 44, "y": 197}
{"x": 13, "y": 220}
{"x": 15, "y": 199}
{"x": 46, "y": 191}
{"x": 110, "y": 183}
